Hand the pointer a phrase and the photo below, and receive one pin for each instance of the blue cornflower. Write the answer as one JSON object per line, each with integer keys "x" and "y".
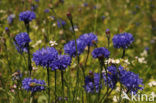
{"x": 10, "y": 18}
{"x": 60, "y": 23}
{"x": 89, "y": 38}
{"x": 27, "y": 16}
{"x": 21, "y": 42}
{"x": 6, "y": 29}
{"x": 33, "y": 85}
{"x": 46, "y": 10}
{"x": 130, "y": 80}
{"x": 70, "y": 47}
{"x": 62, "y": 62}
{"x": 112, "y": 77}
{"x": 45, "y": 56}
{"x": 100, "y": 53}
{"x": 92, "y": 83}
{"x": 122, "y": 40}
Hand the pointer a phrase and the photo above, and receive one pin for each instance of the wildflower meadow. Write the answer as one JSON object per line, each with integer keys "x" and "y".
{"x": 77, "y": 51}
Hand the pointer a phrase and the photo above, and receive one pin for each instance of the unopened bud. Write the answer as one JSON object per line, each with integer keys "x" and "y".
{"x": 90, "y": 73}
{"x": 107, "y": 32}
{"x": 69, "y": 15}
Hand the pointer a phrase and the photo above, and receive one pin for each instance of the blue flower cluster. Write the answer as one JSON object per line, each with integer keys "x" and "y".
{"x": 89, "y": 38}
{"x": 62, "y": 62}
{"x": 60, "y": 23}
{"x": 92, "y": 83}
{"x": 45, "y": 56}
{"x": 33, "y": 85}
{"x": 21, "y": 42}
{"x": 70, "y": 47}
{"x": 131, "y": 81}
{"x": 122, "y": 40}
{"x": 112, "y": 77}
{"x": 100, "y": 52}
{"x": 27, "y": 16}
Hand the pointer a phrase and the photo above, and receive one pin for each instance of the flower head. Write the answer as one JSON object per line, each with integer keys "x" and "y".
{"x": 45, "y": 56}
{"x": 46, "y": 10}
{"x": 100, "y": 52}
{"x": 88, "y": 38}
{"x": 92, "y": 83}
{"x": 70, "y": 47}
{"x": 62, "y": 62}
{"x": 27, "y": 16}
{"x": 33, "y": 85}
{"x": 112, "y": 77}
{"x": 130, "y": 80}
{"x": 122, "y": 40}
{"x": 60, "y": 23}
{"x": 21, "y": 42}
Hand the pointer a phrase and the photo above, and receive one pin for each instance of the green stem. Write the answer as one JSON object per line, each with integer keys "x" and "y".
{"x": 48, "y": 79}
{"x": 101, "y": 67}
{"x": 55, "y": 86}
{"x": 123, "y": 54}
{"x": 77, "y": 81}
{"x": 62, "y": 84}
{"x": 106, "y": 79}
{"x": 29, "y": 58}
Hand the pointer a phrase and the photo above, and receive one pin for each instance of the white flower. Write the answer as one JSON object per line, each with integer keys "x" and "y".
{"x": 151, "y": 84}
{"x": 76, "y": 29}
{"x": 142, "y": 60}
{"x": 52, "y": 43}
{"x": 14, "y": 86}
{"x": 126, "y": 61}
{"x": 144, "y": 53}
{"x": 54, "y": 24}
{"x": 115, "y": 99}
{"x": 43, "y": 30}
{"x": 35, "y": 27}
{"x": 117, "y": 61}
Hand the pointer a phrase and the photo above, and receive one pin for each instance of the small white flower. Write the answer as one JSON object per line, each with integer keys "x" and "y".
{"x": 144, "y": 53}
{"x": 76, "y": 29}
{"x": 115, "y": 99}
{"x": 142, "y": 60}
{"x": 54, "y": 24}
{"x": 43, "y": 30}
{"x": 117, "y": 61}
{"x": 14, "y": 86}
{"x": 126, "y": 61}
{"x": 151, "y": 84}
{"x": 52, "y": 43}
